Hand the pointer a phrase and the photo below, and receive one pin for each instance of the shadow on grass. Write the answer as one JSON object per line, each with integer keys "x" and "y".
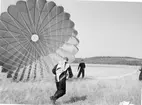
{"x": 76, "y": 99}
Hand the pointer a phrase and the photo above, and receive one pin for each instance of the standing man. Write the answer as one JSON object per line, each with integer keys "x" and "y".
{"x": 140, "y": 75}
{"x": 81, "y": 69}
{"x": 60, "y": 72}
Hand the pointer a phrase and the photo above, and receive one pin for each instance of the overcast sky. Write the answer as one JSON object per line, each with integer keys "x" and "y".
{"x": 104, "y": 28}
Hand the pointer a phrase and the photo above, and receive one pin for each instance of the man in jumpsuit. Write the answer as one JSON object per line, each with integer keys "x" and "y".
{"x": 60, "y": 71}
{"x": 81, "y": 69}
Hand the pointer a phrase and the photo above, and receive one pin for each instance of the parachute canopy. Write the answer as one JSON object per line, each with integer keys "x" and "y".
{"x": 34, "y": 36}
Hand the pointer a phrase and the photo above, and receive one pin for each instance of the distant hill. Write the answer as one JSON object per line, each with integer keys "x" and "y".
{"x": 111, "y": 60}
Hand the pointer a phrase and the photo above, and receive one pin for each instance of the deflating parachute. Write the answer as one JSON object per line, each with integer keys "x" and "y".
{"x": 34, "y": 36}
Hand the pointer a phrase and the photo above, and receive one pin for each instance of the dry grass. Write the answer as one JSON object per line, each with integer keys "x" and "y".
{"x": 79, "y": 92}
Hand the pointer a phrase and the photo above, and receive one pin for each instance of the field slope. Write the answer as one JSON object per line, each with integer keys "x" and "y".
{"x": 111, "y": 60}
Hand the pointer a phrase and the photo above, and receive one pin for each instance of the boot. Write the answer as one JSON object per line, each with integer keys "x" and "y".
{"x": 53, "y": 100}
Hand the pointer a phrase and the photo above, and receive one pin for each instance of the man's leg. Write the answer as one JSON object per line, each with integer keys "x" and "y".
{"x": 61, "y": 89}
{"x": 52, "y": 97}
{"x": 83, "y": 73}
{"x": 59, "y": 94}
{"x": 57, "y": 85}
{"x": 79, "y": 73}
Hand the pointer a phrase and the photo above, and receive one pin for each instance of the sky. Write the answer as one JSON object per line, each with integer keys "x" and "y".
{"x": 104, "y": 28}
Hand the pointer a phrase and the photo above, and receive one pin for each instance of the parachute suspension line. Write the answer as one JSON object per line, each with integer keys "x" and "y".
{"x": 34, "y": 12}
{"x": 22, "y": 75}
{"x": 43, "y": 54}
{"x": 6, "y": 30}
{"x": 49, "y": 21}
{"x": 39, "y": 14}
{"x": 13, "y": 18}
{"x": 41, "y": 69}
{"x": 47, "y": 35}
{"x": 49, "y": 47}
{"x": 15, "y": 61}
{"x": 11, "y": 57}
{"x": 62, "y": 42}
{"x": 40, "y": 44}
{"x": 15, "y": 27}
{"x": 50, "y": 51}
{"x": 53, "y": 36}
{"x": 11, "y": 33}
{"x": 42, "y": 32}
{"x": 14, "y": 55}
{"x": 25, "y": 68}
{"x": 28, "y": 77}
{"x": 45, "y": 18}
{"x": 6, "y": 44}
{"x": 30, "y": 33}
{"x": 41, "y": 48}
{"x": 44, "y": 48}
{"x": 57, "y": 41}
{"x": 18, "y": 69}
{"x": 13, "y": 47}
{"x": 43, "y": 59}
{"x": 19, "y": 28}
{"x": 30, "y": 19}
{"x": 35, "y": 69}
{"x": 32, "y": 49}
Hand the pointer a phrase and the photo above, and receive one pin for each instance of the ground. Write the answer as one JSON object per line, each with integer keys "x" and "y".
{"x": 91, "y": 90}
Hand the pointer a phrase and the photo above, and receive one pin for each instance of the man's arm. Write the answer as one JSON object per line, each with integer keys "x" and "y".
{"x": 54, "y": 69}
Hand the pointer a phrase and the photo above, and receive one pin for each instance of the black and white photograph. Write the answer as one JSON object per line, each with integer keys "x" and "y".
{"x": 70, "y": 52}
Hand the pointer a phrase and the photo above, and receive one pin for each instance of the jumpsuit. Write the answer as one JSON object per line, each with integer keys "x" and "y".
{"x": 81, "y": 71}
{"x": 60, "y": 80}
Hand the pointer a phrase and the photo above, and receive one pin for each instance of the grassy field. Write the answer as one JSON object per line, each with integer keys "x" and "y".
{"x": 87, "y": 91}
